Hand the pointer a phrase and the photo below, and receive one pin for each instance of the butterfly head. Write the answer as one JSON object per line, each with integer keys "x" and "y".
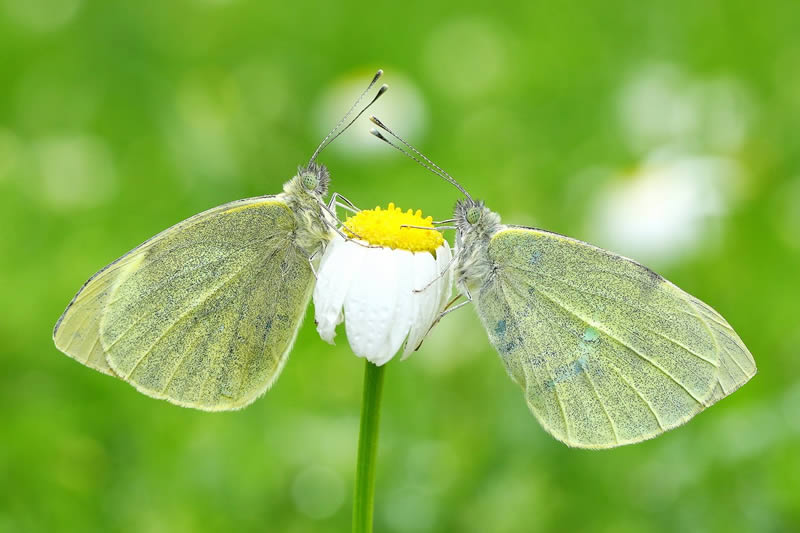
{"x": 314, "y": 178}
{"x": 471, "y": 215}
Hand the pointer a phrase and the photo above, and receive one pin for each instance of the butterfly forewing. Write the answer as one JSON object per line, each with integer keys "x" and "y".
{"x": 607, "y": 351}
{"x": 203, "y": 314}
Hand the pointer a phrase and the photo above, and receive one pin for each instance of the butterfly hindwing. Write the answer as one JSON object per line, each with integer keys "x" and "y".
{"x": 203, "y": 314}
{"x": 607, "y": 351}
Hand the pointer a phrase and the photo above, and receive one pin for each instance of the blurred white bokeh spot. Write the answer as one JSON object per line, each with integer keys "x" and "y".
{"x": 664, "y": 209}
{"x": 318, "y": 491}
{"x": 466, "y": 57}
{"x": 661, "y": 104}
{"x": 728, "y": 111}
{"x": 11, "y": 152}
{"x": 402, "y": 109}
{"x": 75, "y": 171}
{"x": 41, "y": 15}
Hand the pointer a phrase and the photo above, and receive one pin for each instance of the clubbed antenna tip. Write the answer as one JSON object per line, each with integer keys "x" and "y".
{"x": 336, "y": 131}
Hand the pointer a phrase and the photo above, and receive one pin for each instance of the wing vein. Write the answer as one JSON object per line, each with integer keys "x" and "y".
{"x": 549, "y": 371}
{"x": 91, "y": 348}
{"x": 166, "y": 256}
{"x": 603, "y": 405}
{"x": 708, "y": 316}
{"x": 588, "y": 377}
{"x": 639, "y": 394}
{"x": 185, "y": 355}
{"x": 686, "y": 348}
{"x": 709, "y": 311}
{"x": 107, "y": 349}
{"x": 252, "y": 354}
{"x": 716, "y": 341}
{"x": 729, "y": 352}
{"x": 183, "y": 315}
{"x": 77, "y": 330}
{"x": 628, "y": 304}
{"x": 619, "y": 341}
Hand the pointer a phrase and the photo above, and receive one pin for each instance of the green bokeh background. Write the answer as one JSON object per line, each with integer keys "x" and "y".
{"x": 119, "y": 119}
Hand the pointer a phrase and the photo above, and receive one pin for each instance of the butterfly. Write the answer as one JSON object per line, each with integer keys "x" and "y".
{"x": 606, "y": 351}
{"x": 205, "y": 313}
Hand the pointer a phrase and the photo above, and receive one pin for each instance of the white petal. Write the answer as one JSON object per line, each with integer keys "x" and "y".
{"x": 335, "y": 274}
{"x": 370, "y": 303}
{"x": 443, "y": 265}
{"x": 431, "y": 306}
{"x": 401, "y": 322}
{"x": 424, "y": 272}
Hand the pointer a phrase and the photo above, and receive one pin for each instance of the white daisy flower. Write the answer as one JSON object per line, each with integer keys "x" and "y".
{"x": 376, "y": 291}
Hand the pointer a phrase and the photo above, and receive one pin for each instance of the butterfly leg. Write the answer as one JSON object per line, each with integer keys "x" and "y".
{"x": 311, "y": 262}
{"x": 346, "y": 208}
{"x": 337, "y": 229}
{"x": 442, "y": 273}
{"x": 447, "y": 310}
{"x": 440, "y": 228}
{"x": 344, "y": 204}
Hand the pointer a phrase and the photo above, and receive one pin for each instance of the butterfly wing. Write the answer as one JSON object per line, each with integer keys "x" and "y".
{"x": 203, "y": 314}
{"x": 607, "y": 351}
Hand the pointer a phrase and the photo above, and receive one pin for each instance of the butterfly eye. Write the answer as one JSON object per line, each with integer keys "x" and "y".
{"x": 473, "y": 215}
{"x": 310, "y": 182}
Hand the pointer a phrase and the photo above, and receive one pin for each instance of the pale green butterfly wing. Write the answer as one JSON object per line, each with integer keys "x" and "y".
{"x": 203, "y": 314}
{"x": 607, "y": 351}
{"x": 77, "y": 332}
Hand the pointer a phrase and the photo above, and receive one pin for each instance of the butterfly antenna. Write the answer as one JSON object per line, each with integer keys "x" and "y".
{"x": 383, "y": 88}
{"x": 327, "y": 140}
{"x": 439, "y": 171}
{"x": 379, "y": 135}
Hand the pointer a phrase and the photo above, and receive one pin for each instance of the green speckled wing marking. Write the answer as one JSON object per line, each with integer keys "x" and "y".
{"x": 203, "y": 314}
{"x": 607, "y": 351}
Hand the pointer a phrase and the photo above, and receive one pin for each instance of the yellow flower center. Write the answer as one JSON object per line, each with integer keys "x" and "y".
{"x": 389, "y": 227}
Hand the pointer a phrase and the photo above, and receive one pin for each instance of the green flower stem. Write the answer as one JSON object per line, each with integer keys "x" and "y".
{"x": 364, "y": 494}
